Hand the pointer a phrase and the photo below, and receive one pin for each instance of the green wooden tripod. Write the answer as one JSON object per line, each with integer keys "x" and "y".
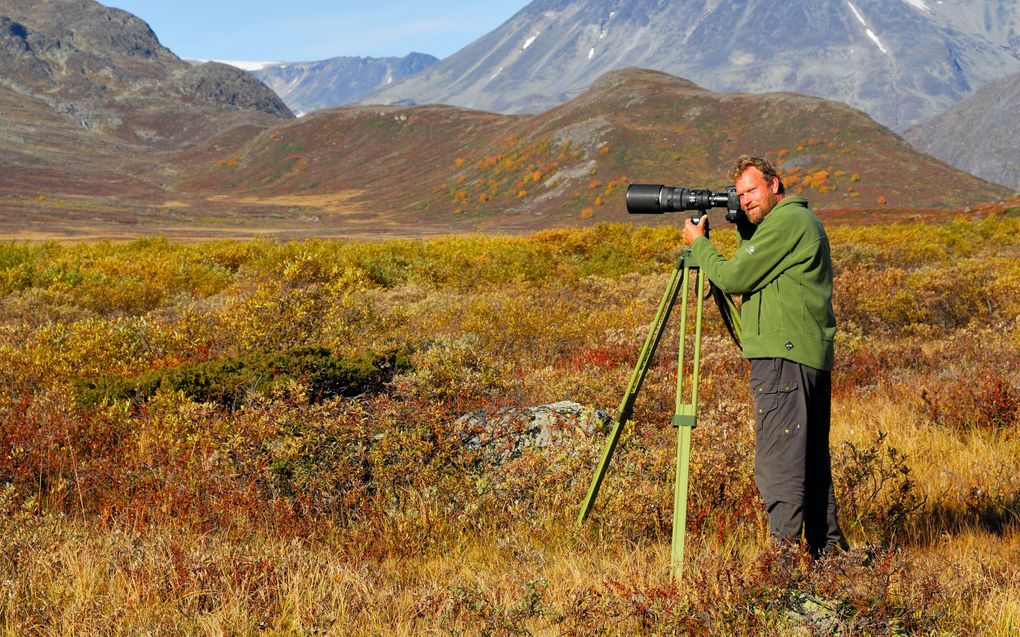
{"x": 685, "y": 417}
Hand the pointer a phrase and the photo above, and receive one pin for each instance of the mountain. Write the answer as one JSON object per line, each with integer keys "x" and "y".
{"x": 105, "y": 133}
{"x": 443, "y": 166}
{"x": 310, "y": 86}
{"x": 901, "y": 61}
{"x": 105, "y": 70}
{"x": 980, "y": 134}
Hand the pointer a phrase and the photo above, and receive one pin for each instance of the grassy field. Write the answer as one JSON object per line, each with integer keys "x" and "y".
{"x": 255, "y": 437}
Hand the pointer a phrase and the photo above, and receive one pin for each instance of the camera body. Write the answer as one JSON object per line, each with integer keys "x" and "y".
{"x": 656, "y": 199}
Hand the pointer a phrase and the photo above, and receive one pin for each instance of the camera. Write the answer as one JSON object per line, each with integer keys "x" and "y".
{"x": 656, "y": 199}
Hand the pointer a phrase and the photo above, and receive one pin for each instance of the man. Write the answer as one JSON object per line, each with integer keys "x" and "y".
{"x": 783, "y": 270}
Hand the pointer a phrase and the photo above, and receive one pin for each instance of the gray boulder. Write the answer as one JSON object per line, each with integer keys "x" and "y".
{"x": 505, "y": 433}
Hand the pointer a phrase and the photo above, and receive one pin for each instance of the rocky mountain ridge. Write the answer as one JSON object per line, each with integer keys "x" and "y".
{"x": 310, "y": 86}
{"x": 901, "y": 61}
{"x": 106, "y": 70}
{"x": 980, "y": 134}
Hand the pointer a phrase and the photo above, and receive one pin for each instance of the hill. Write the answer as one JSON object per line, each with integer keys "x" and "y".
{"x": 463, "y": 169}
{"x": 900, "y": 61}
{"x": 980, "y": 134}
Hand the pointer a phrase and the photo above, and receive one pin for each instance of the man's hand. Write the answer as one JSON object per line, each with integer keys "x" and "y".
{"x": 694, "y": 230}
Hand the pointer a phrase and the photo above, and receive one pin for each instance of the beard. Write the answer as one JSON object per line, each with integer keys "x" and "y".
{"x": 763, "y": 208}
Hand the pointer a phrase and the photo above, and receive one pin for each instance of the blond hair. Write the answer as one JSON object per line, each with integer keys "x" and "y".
{"x": 768, "y": 171}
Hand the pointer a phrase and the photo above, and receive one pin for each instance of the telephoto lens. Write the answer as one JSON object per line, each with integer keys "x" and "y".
{"x": 650, "y": 199}
{"x": 655, "y": 199}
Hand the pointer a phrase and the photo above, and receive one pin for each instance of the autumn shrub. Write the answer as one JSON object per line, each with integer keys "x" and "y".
{"x": 452, "y": 371}
{"x": 875, "y": 489}
{"x": 985, "y": 397}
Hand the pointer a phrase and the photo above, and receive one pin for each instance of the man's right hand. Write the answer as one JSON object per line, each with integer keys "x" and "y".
{"x": 692, "y": 231}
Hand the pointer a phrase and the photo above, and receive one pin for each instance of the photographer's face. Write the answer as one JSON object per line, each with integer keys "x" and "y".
{"x": 757, "y": 196}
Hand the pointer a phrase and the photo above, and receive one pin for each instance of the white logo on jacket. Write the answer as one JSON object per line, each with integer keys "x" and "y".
{"x": 749, "y": 249}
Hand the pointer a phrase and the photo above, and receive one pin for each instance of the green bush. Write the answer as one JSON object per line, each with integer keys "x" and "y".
{"x": 227, "y": 381}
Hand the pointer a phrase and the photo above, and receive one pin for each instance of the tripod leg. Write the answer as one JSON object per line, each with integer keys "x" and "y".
{"x": 685, "y": 419}
{"x": 637, "y": 378}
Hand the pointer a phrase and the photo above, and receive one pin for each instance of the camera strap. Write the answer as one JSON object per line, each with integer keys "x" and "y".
{"x": 729, "y": 311}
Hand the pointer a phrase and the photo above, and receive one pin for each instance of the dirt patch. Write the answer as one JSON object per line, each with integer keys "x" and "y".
{"x": 332, "y": 202}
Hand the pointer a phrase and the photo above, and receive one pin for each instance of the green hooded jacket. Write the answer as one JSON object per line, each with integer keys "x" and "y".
{"x": 784, "y": 272}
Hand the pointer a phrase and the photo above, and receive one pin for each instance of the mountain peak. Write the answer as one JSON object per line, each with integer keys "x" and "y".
{"x": 900, "y": 61}
{"x": 106, "y": 70}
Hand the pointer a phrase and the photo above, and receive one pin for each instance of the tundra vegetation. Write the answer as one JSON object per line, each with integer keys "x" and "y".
{"x": 264, "y": 437}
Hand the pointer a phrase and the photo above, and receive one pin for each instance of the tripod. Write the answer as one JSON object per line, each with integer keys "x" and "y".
{"x": 685, "y": 415}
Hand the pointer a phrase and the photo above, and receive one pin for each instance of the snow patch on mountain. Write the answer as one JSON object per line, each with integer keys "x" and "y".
{"x": 858, "y": 15}
{"x": 244, "y": 65}
{"x": 874, "y": 38}
{"x": 530, "y": 41}
{"x": 919, "y": 4}
{"x": 867, "y": 30}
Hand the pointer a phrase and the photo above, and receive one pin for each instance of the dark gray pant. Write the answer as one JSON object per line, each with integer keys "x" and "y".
{"x": 792, "y": 465}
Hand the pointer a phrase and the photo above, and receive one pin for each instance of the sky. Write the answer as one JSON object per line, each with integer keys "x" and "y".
{"x": 307, "y": 30}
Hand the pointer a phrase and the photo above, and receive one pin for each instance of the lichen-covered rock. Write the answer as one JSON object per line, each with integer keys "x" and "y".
{"x": 505, "y": 433}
